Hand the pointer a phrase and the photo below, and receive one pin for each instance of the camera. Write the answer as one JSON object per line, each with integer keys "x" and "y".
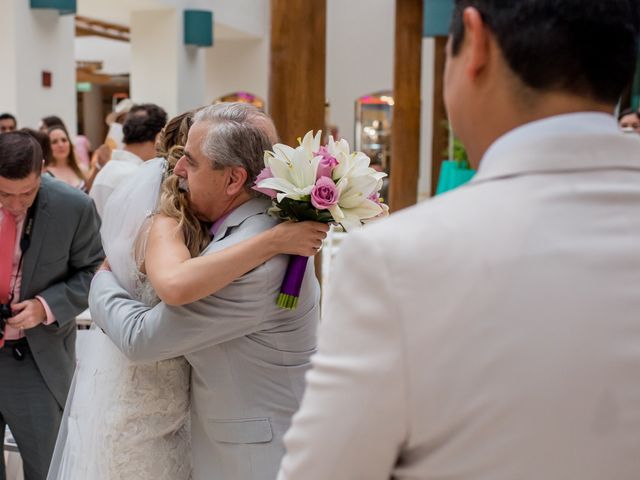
{"x": 5, "y": 314}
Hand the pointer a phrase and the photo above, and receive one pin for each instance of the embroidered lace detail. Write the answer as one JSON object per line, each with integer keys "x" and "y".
{"x": 146, "y": 433}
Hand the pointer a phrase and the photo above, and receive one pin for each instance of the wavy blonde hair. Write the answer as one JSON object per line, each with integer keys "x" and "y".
{"x": 173, "y": 201}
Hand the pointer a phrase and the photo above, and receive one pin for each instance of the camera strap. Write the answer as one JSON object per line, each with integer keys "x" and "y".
{"x": 25, "y": 241}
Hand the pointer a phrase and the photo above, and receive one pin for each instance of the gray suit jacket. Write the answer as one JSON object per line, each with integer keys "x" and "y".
{"x": 64, "y": 253}
{"x": 248, "y": 356}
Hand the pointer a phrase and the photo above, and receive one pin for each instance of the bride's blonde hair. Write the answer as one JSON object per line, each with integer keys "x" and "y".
{"x": 173, "y": 201}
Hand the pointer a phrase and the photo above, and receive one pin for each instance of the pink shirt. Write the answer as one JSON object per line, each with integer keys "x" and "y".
{"x": 11, "y": 333}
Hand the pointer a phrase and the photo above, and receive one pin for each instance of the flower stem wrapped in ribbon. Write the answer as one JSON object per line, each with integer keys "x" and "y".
{"x": 323, "y": 183}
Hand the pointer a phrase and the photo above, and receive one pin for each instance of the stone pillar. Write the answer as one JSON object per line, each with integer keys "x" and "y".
{"x": 33, "y": 42}
{"x": 164, "y": 70}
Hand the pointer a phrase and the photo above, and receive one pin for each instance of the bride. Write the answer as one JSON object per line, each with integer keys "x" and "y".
{"x": 130, "y": 421}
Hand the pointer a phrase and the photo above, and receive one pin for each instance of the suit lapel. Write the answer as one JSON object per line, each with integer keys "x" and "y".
{"x": 40, "y": 225}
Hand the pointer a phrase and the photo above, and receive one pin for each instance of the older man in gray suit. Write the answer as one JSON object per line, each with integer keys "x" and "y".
{"x": 49, "y": 251}
{"x": 248, "y": 356}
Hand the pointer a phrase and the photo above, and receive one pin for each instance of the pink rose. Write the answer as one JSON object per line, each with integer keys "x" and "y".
{"x": 324, "y": 194}
{"x": 264, "y": 174}
{"x": 327, "y": 163}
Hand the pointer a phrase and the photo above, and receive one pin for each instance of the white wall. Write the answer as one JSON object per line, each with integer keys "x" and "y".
{"x": 37, "y": 41}
{"x": 165, "y": 71}
{"x": 246, "y": 16}
{"x": 8, "y": 54}
{"x": 154, "y": 58}
{"x": 191, "y": 78}
{"x": 240, "y": 65}
{"x": 114, "y": 55}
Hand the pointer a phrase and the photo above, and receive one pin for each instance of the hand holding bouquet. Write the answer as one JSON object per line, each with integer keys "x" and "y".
{"x": 326, "y": 184}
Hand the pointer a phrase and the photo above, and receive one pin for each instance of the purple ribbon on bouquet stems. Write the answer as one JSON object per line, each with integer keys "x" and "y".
{"x": 290, "y": 289}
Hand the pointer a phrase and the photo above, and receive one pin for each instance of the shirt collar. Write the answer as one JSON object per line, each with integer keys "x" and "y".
{"x": 238, "y": 215}
{"x": 575, "y": 141}
{"x": 124, "y": 156}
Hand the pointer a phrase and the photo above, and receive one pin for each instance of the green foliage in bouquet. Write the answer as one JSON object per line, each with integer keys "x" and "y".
{"x": 300, "y": 210}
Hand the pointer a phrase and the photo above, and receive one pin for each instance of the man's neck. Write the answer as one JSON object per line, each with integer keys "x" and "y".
{"x": 145, "y": 151}
{"x": 242, "y": 198}
{"x": 511, "y": 114}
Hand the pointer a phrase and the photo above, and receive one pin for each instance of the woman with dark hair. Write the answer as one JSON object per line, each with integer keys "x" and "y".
{"x": 82, "y": 146}
{"x": 64, "y": 165}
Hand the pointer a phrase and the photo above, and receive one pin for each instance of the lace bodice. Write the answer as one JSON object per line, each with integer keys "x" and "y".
{"x": 144, "y": 291}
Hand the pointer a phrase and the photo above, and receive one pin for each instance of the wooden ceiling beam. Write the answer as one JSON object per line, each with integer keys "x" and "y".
{"x": 86, "y": 26}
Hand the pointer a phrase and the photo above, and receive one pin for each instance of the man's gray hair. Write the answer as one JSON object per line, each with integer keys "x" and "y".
{"x": 238, "y": 135}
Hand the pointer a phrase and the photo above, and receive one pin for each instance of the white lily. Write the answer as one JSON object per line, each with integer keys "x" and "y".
{"x": 311, "y": 143}
{"x": 354, "y": 205}
{"x": 354, "y": 217}
{"x": 294, "y": 172}
{"x": 339, "y": 147}
{"x": 354, "y": 164}
{"x": 353, "y": 190}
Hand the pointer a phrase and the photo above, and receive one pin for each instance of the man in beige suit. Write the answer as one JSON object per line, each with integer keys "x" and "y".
{"x": 494, "y": 332}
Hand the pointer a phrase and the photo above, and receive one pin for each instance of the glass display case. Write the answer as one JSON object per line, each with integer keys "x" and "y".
{"x": 373, "y": 118}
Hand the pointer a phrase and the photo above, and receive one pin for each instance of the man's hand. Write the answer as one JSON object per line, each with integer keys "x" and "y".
{"x": 27, "y": 314}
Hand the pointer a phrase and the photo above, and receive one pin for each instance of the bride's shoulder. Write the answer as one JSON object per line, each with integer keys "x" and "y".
{"x": 163, "y": 226}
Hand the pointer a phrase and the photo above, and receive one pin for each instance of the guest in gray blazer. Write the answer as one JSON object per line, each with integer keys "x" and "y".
{"x": 248, "y": 356}
{"x": 49, "y": 253}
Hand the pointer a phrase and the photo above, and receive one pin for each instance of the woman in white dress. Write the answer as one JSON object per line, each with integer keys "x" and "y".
{"x": 130, "y": 421}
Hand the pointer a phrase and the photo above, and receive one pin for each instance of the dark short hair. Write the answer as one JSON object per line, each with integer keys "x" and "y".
{"x": 20, "y": 155}
{"x": 589, "y": 47}
{"x": 143, "y": 123}
{"x": 8, "y": 116}
{"x": 45, "y": 144}
{"x": 54, "y": 121}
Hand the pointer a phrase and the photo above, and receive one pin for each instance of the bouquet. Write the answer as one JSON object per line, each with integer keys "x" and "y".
{"x": 323, "y": 183}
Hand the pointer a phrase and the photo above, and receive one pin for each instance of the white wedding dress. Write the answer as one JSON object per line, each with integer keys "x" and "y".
{"x": 124, "y": 420}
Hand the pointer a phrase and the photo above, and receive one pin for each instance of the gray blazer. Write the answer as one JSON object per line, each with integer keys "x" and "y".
{"x": 64, "y": 253}
{"x": 248, "y": 356}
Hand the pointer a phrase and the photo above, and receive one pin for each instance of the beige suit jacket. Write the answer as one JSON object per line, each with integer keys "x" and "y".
{"x": 492, "y": 333}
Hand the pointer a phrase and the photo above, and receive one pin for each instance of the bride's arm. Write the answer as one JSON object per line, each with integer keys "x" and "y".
{"x": 179, "y": 279}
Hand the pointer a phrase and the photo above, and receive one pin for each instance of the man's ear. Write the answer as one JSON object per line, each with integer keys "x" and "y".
{"x": 236, "y": 180}
{"x": 478, "y": 39}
